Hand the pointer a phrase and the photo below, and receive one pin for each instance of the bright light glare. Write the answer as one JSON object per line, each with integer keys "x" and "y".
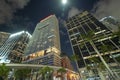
{"x": 64, "y": 1}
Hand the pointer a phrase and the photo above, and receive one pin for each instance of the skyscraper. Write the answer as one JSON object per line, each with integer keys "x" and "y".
{"x": 84, "y": 24}
{"x": 111, "y": 22}
{"x": 44, "y": 46}
{"x": 13, "y": 48}
{"x": 3, "y": 37}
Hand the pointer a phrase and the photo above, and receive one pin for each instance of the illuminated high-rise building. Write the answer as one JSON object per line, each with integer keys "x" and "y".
{"x": 83, "y": 24}
{"x": 111, "y": 23}
{"x": 13, "y": 48}
{"x": 3, "y": 37}
{"x": 44, "y": 46}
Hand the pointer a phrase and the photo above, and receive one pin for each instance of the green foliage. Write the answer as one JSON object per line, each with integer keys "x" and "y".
{"x": 4, "y": 70}
{"x": 106, "y": 58}
{"x": 46, "y": 69}
{"x": 61, "y": 70}
{"x": 97, "y": 63}
{"x": 82, "y": 44}
{"x": 22, "y": 73}
{"x": 106, "y": 48}
{"x": 74, "y": 57}
{"x": 94, "y": 59}
{"x": 88, "y": 36}
{"x": 101, "y": 66}
{"x": 101, "y": 37}
{"x": 88, "y": 67}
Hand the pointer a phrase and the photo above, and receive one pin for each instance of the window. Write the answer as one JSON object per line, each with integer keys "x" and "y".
{"x": 77, "y": 52}
{"x": 70, "y": 32}
{"x": 74, "y": 42}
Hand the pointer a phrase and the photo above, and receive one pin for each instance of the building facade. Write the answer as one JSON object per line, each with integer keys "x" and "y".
{"x": 83, "y": 25}
{"x": 13, "y": 48}
{"x": 111, "y": 23}
{"x": 3, "y": 37}
{"x": 44, "y": 46}
{"x": 65, "y": 62}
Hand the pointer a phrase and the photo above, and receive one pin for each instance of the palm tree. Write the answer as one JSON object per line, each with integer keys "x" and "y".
{"x": 4, "y": 71}
{"x": 21, "y": 74}
{"x": 114, "y": 34}
{"x": 75, "y": 58}
{"x": 109, "y": 48}
{"x": 88, "y": 38}
{"x": 96, "y": 65}
{"x": 62, "y": 71}
{"x": 46, "y": 73}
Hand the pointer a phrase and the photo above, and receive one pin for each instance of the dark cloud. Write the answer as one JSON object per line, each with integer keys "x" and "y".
{"x": 107, "y": 8}
{"x": 73, "y": 11}
{"x": 9, "y": 7}
{"x": 19, "y": 23}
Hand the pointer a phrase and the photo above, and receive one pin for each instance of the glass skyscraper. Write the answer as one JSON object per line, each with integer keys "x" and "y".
{"x": 13, "y": 48}
{"x": 44, "y": 46}
{"x": 111, "y": 23}
{"x": 3, "y": 37}
{"x": 82, "y": 24}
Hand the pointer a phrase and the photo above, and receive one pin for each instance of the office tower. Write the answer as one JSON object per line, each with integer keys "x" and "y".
{"x": 44, "y": 46}
{"x": 13, "y": 48}
{"x": 65, "y": 62}
{"x": 84, "y": 24}
{"x": 111, "y": 23}
{"x": 3, "y": 37}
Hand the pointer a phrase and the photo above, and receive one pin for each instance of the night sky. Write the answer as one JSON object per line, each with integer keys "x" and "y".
{"x": 17, "y": 15}
{"x": 39, "y": 9}
{"x": 36, "y": 10}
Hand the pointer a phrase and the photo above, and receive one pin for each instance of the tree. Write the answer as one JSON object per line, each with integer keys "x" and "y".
{"x": 98, "y": 63}
{"x": 46, "y": 73}
{"x": 110, "y": 37}
{"x": 4, "y": 71}
{"x": 109, "y": 48}
{"x": 62, "y": 71}
{"x": 21, "y": 74}
{"x": 96, "y": 67}
{"x": 74, "y": 57}
{"x": 89, "y": 38}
